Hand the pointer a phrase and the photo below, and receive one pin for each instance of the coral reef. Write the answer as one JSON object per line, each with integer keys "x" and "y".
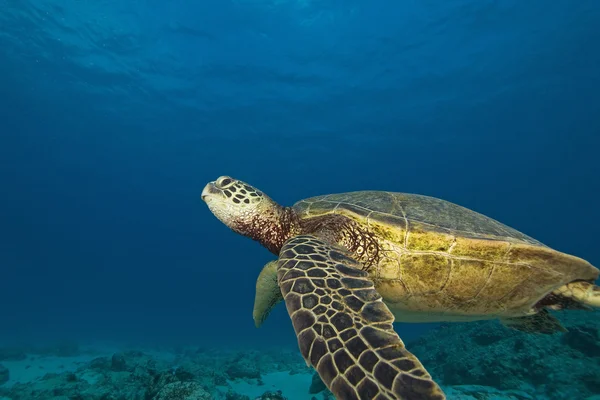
{"x": 183, "y": 391}
{"x": 118, "y": 362}
{"x": 472, "y": 361}
{"x": 272, "y": 396}
{"x": 189, "y": 375}
{"x": 561, "y": 366}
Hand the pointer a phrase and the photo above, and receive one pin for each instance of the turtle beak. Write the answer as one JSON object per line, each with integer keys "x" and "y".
{"x": 209, "y": 189}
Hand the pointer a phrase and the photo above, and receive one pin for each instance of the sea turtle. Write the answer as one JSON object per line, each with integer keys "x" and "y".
{"x": 350, "y": 264}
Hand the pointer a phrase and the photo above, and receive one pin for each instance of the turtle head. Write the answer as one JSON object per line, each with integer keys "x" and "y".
{"x": 247, "y": 211}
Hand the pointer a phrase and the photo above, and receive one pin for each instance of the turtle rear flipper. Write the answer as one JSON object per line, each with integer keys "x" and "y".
{"x": 343, "y": 327}
{"x": 541, "y": 322}
{"x": 268, "y": 294}
{"x": 584, "y": 292}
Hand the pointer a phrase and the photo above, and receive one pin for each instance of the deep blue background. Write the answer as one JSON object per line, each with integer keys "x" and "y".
{"x": 113, "y": 116}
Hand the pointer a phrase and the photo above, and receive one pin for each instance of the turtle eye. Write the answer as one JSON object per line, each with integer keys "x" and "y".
{"x": 224, "y": 181}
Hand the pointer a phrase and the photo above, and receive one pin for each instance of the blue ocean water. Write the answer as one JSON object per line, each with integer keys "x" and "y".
{"x": 114, "y": 115}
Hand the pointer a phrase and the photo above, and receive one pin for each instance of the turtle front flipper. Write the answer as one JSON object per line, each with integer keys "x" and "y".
{"x": 343, "y": 327}
{"x": 268, "y": 294}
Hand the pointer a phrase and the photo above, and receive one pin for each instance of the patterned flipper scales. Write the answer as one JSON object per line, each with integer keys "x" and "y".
{"x": 343, "y": 327}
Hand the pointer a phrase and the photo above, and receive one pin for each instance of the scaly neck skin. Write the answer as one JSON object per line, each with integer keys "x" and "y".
{"x": 274, "y": 227}
{"x": 342, "y": 231}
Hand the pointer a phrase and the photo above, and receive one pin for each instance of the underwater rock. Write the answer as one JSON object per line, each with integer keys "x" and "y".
{"x": 219, "y": 378}
{"x": 242, "y": 369}
{"x": 485, "y": 392}
{"x": 486, "y": 338}
{"x": 53, "y": 386}
{"x": 183, "y": 374}
{"x": 183, "y": 391}
{"x": 591, "y": 380}
{"x": 118, "y": 363}
{"x": 100, "y": 363}
{"x": 278, "y": 395}
{"x": 316, "y": 385}
{"x": 282, "y": 360}
{"x": 231, "y": 395}
{"x": 4, "y": 374}
{"x": 584, "y": 339}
